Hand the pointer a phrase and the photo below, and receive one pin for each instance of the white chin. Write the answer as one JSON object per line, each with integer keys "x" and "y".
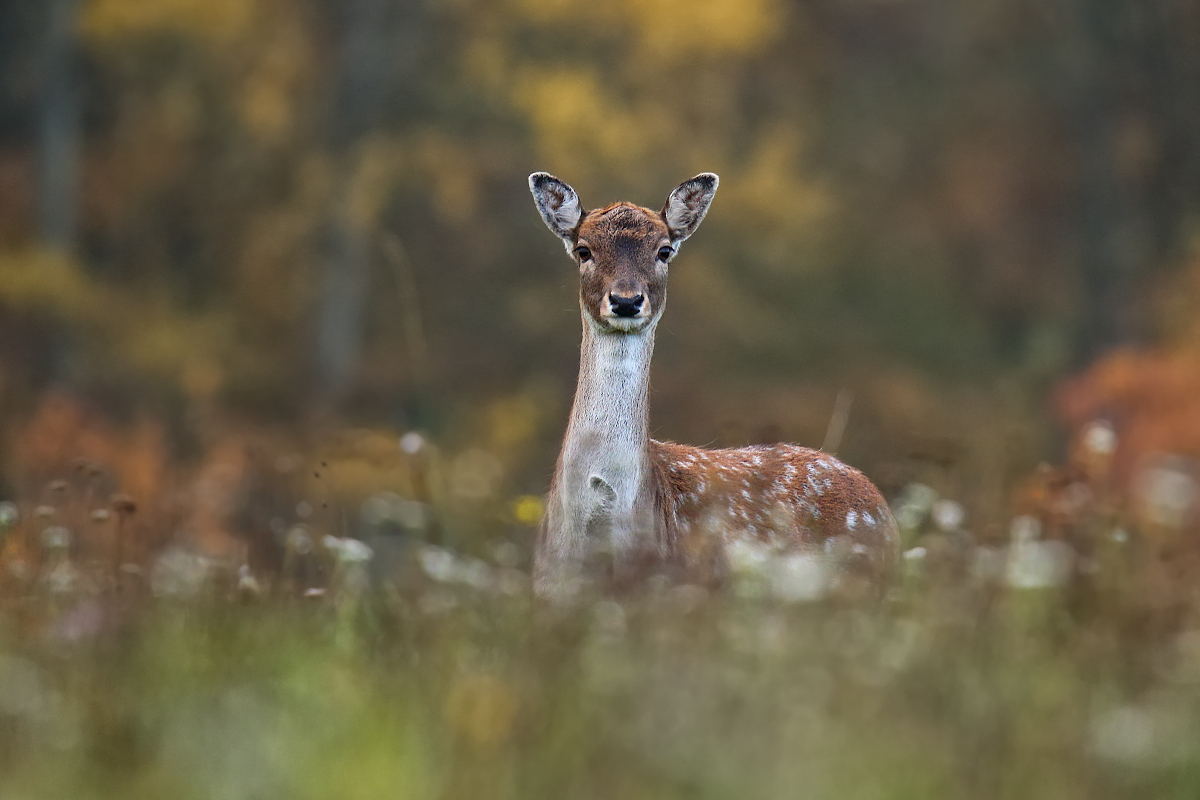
{"x": 626, "y": 324}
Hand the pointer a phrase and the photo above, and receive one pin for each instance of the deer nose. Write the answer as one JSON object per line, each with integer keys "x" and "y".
{"x": 625, "y": 305}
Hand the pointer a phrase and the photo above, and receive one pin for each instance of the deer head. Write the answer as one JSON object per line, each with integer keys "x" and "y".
{"x": 622, "y": 250}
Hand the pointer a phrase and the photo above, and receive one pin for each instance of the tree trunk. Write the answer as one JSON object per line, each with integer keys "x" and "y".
{"x": 361, "y": 89}
{"x": 59, "y": 135}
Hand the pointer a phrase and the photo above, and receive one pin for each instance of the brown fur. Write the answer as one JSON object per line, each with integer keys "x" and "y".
{"x": 624, "y": 239}
{"x": 617, "y": 491}
{"x": 786, "y": 496}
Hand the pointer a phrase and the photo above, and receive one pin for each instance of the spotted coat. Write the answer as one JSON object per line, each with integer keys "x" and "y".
{"x": 788, "y": 497}
{"x": 620, "y": 496}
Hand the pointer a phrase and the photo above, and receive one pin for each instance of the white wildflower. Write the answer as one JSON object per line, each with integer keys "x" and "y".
{"x": 1039, "y": 565}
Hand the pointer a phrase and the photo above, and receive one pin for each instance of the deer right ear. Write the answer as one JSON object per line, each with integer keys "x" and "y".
{"x": 558, "y": 203}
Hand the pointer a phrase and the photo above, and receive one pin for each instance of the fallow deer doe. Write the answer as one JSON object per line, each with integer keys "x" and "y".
{"x": 643, "y": 502}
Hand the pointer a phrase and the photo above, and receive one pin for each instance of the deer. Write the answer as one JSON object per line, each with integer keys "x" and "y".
{"x": 625, "y": 501}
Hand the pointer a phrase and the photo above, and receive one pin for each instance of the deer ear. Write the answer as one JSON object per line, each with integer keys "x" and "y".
{"x": 558, "y": 203}
{"x": 686, "y": 206}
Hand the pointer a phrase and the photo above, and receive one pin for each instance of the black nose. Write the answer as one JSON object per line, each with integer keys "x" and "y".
{"x": 625, "y": 306}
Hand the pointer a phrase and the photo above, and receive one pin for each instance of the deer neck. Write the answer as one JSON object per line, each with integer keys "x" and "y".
{"x": 610, "y": 419}
{"x": 603, "y": 495}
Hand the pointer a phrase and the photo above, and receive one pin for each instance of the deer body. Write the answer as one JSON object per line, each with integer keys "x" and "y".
{"x": 642, "y": 502}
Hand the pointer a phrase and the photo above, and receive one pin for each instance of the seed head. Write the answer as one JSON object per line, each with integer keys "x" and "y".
{"x": 123, "y": 504}
{"x": 9, "y": 514}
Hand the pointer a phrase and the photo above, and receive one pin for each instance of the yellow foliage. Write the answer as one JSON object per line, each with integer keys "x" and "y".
{"x": 766, "y": 191}
{"x": 545, "y": 11}
{"x": 577, "y": 121}
{"x": 42, "y": 279}
{"x": 487, "y": 62}
{"x": 163, "y": 341}
{"x": 371, "y": 179}
{"x": 267, "y": 98}
{"x": 685, "y": 29}
{"x": 448, "y": 167}
{"x": 379, "y": 447}
{"x": 144, "y": 331}
{"x": 445, "y": 167}
{"x": 214, "y": 20}
{"x": 264, "y": 106}
{"x": 676, "y": 29}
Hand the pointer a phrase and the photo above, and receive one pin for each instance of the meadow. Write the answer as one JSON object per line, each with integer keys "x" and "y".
{"x": 1062, "y": 663}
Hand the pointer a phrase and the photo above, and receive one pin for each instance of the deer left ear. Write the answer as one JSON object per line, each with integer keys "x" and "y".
{"x": 686, "y": 206}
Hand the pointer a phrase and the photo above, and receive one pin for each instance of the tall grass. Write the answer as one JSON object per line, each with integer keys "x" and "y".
{"x": 1063, "y": 668}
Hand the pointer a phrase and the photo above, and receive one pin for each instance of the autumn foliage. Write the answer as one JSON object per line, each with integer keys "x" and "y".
{"x": 1150, "y": 395}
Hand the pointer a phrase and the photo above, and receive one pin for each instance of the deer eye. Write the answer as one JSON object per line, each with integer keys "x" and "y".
{"x": 584, "y": 253}
{"x": 664, "y": 253}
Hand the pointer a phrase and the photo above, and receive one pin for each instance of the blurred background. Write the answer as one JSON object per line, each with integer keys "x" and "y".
{"x": 286, "y": 356}
{"x": 246, "y": 246}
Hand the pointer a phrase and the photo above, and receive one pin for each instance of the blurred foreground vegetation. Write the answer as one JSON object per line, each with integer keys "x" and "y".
{"x": 290, "y": 215}
{"x": 1060, "y": 662}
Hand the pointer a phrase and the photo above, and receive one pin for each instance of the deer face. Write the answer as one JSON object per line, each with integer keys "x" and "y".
{"x": 622, "y": 250}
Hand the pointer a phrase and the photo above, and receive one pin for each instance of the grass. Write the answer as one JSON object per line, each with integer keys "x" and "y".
{"x": 967, "y": 682}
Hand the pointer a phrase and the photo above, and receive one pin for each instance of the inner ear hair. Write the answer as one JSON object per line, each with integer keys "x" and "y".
{"x": 688, "y": 203}
{"x": 558, "y": 204}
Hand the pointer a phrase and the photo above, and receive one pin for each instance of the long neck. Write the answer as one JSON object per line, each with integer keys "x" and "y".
{"x": 602, "y": 494}
{"x": 610, "y": 417}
